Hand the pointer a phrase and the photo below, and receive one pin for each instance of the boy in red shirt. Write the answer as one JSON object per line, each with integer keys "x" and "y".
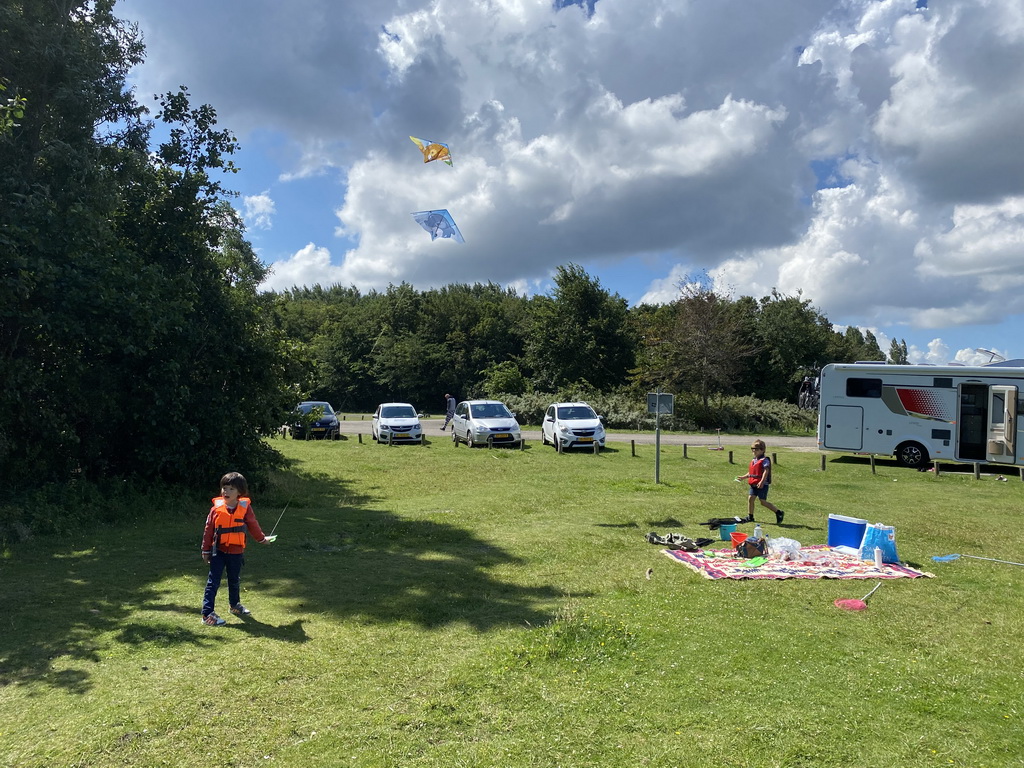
{"x": 759, "y": 477}
{"x": 224, "y": 544}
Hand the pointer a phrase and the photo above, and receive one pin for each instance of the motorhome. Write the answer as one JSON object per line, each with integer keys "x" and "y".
{"x": 923, "y": 413}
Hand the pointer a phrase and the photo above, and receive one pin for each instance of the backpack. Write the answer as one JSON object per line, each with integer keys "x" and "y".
{"x": 752, "y": 548}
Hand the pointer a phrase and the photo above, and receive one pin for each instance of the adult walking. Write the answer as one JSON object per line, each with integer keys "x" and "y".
{"x": 449, "y": 410}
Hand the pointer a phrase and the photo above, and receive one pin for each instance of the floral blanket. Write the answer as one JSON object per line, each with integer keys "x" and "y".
{"x": 822, "y": 563}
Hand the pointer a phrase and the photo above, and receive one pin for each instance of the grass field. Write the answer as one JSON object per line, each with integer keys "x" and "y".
{"x": 441, "y": 606}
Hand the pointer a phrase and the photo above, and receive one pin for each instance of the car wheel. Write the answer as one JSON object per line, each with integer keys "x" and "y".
{"x": 543, "y": 437}
{"x": 911, "y": 455}
{"x": 455, "y": 437}
{"x": 469, "y": 439}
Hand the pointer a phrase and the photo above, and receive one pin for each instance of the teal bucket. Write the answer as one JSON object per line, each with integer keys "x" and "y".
{"x": 725, "y": 530}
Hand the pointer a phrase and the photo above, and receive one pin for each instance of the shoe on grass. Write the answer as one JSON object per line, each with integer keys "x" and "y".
{"x": 240, "y": 610}
{"x": 778, "y": 517}
{"x": 213, "y": 620}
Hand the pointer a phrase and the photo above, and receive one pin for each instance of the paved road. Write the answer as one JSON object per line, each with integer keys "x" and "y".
{"x": 432, "y": 427}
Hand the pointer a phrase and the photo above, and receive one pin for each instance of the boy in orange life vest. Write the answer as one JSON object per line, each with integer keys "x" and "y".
{"x": 759, "y": 477}
{"x": 224, "y": 543}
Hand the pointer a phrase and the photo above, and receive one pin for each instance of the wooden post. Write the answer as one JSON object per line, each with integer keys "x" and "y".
{"x": 360, "y": 438}
{"x": 775, "y": 459}
{"x": 684, "y": 450}
{"x": 872, "y": 463}
{"x": 935, "y": 466}
{"x": 597, "y": 447}
{"x": 730, "y": 457}
{"x": 823, "y": 462}
{"x": 977, "y": 470}
{"x": 632, "y": 447}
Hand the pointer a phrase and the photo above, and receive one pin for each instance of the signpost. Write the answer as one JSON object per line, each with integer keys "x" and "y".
{"x": 658, "y": 403}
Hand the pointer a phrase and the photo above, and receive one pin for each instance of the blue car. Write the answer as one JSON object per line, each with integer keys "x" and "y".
{"x": 324, "y": 426}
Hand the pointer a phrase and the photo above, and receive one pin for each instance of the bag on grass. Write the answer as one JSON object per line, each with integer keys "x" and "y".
{"x": 752, "y": 548}
{"x": 883, "y": 537}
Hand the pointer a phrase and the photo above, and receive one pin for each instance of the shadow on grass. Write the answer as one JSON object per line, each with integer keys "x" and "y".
{"x": 69, "y": 603}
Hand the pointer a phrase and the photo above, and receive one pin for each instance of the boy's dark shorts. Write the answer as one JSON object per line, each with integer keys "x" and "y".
{"x": 761, "y": 493}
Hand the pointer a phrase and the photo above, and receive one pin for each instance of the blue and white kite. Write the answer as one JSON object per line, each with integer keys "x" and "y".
{"x": 438, "y": 224}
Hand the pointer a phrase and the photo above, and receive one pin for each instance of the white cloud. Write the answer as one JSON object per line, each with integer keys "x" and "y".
{"x": 863, "y": 152}
{"x": 259, "y": 210}
{"x": 310, "y": 265}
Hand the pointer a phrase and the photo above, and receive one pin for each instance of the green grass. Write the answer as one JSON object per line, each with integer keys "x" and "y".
{"x": 441, "y": 606}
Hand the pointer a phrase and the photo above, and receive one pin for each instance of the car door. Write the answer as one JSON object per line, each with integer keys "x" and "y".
{"x": 548, "y": 427}
{"x": 460, "y": 421}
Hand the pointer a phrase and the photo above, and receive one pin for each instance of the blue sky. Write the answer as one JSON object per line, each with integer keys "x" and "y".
{"x": 868, "y": 155}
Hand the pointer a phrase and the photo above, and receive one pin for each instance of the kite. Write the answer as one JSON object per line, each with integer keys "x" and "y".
{"x": 433, "y": 150}
{"x": 438, "y": 224}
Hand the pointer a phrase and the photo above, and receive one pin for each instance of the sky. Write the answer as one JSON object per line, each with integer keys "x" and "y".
{"x": 867, "y": 155}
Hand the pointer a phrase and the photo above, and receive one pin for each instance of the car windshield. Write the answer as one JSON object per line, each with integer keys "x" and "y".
{"x": 572, "y": 412}
{"x": 490, "y": 411}
{"x": 397, "y": 412}
{"x": 307, "y": 407}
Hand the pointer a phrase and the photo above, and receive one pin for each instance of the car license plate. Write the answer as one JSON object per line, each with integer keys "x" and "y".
{"x": 319, "y": 429}
{"x": 502, "y": 434}
{"x": 586, "y": 439}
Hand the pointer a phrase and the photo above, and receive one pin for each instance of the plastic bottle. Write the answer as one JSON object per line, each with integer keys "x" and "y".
{"x": 758, "y": 533}
{"x": 878, "y": 557}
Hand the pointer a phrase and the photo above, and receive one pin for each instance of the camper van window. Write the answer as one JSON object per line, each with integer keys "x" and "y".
{"x": 863, "y": 387}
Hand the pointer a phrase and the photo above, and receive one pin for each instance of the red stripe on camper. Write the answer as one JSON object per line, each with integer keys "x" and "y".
{"x": 923, "y": 402}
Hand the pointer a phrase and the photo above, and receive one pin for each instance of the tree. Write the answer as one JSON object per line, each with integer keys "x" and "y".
{"x": 706, "y": 351}
{"x": 898, "y": 352}
{"x": 132, "y": 339}
{"x": 578, "y": 334}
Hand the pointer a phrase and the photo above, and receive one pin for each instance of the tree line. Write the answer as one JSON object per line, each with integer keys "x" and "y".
{"x": 135, "y": 340}
{"x": 484, "y": 340}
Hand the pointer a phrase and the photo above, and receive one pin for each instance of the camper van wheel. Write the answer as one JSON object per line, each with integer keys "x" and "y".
{"x": 911, "y": 455}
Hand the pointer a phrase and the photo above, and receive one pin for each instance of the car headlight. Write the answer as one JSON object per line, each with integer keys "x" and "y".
{"x": 564, "y": 429}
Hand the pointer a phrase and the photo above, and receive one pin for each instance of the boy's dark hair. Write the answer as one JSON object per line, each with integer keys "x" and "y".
{"x": 235, "y": 480}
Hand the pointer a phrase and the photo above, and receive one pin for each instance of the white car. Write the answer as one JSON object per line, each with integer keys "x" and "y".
{"x": 483, "y": 422}
{"x": 396, "y": 423}
{"x": 568, "y": 425}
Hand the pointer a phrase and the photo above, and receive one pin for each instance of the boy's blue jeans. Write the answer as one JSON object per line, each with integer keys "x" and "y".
{"x": 218, "y": 563}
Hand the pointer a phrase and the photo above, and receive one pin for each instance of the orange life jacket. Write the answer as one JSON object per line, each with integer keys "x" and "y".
{"x": 229, "y": 524}
{"x": 756, "y": 470}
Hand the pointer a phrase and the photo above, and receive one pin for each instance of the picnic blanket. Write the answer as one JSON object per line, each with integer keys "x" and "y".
{"x": 724, "y": 564}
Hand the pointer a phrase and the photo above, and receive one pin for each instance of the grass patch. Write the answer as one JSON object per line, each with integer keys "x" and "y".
{"x": 441, "y": 606}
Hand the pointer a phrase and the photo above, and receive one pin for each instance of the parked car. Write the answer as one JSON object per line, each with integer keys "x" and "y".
{"x": 479, "y": 422}
{"x": 396, "y": 423}
{"x": 321, "y": 424}
{"x": 568, "y": 425}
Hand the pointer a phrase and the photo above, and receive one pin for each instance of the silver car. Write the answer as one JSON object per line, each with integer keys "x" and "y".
{"x": 396, "y": 423}
{"x": 568, "y": 425}
{"x": 485, "y": 422}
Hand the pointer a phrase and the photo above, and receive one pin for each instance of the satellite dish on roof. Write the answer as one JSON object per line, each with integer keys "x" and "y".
{"x": 993, "y": 357}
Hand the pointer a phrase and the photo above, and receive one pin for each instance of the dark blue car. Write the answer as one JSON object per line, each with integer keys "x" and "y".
{"x": 318, "y": 417}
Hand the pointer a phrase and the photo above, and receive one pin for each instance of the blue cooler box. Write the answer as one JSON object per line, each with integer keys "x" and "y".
{"x": 846, "y": 531}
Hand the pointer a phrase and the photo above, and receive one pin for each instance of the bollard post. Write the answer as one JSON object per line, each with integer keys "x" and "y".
{"x": 684, "y": 450}
{"x": 730, "y": 457}
{"x": 391, "y": 438}
{"x": 632, "y": 447}
{"x": 360, "y": 438}
{"x": 872, "y": 463}
{"x": 522, "y": 444}
{"x": 823, "y": 462}
{"x": 597, "y": 447}
{"x": 935, "y": 466}
{"x": 775, "y": 459}
{"x": 977, "y": 471}
{"x": 490, "y": 442}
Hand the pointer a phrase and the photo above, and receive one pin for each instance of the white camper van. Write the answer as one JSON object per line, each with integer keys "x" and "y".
{"x": 918, "y": 413}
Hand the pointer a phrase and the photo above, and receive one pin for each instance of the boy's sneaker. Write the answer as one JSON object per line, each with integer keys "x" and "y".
{"x": 213, "y": 620}
{"x": 240, "y": 610}
{"x": 778, "y": 517}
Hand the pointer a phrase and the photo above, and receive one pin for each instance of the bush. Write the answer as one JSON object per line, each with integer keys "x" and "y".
{"x": 624, "y": 410}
